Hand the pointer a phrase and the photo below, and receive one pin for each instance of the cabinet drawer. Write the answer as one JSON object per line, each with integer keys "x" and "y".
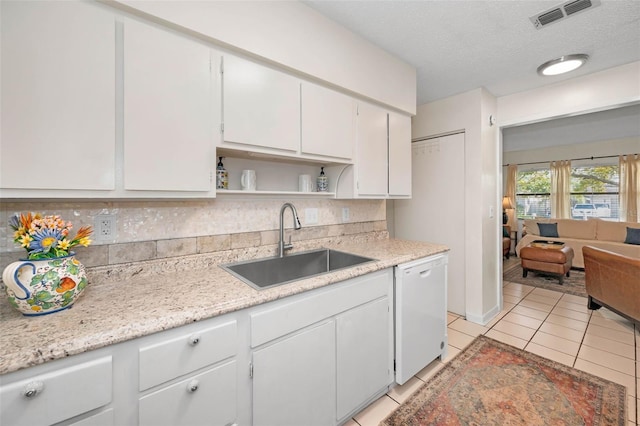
{"x": 283, "y": 319}
{"x": 104, "y": 418}
{"x": 57, "y": 395}
{"x": 207, "y": 398}
{"x": 169, "y": 359}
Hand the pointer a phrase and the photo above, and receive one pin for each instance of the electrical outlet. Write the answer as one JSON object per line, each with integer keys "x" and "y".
{"x": 104, "y": 227}
{"x": 310, "y": 216}
{"x": 345, "y": 214}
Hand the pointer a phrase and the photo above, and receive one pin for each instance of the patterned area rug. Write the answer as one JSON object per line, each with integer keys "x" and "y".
{"x": 572, "y": 285}
{"x": 491, "y": 383}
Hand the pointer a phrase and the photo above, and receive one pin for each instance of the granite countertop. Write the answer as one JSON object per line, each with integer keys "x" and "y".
{"x": 138, "y": 299}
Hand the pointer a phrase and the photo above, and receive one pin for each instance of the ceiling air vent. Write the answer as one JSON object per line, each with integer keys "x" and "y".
{"x": 576, "y": 6}
{"x": 551, "y": 16}
{"x": 562, "y": 11}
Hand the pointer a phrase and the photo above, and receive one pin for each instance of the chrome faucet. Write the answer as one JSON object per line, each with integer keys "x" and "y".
{"x": 296, "y": 225}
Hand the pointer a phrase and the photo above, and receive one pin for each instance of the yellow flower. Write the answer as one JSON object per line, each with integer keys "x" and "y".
{"x": 19, "y": 233}
{"x": 25, "y": 240}
{"x": 84, "y": 241}
{"x": 63, "y": 244}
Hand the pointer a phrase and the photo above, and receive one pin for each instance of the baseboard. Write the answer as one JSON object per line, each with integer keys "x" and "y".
{"x": 483, "y": 319}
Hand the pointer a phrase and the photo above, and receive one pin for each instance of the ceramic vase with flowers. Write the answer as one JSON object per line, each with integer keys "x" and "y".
{"x": 51, "y": 278}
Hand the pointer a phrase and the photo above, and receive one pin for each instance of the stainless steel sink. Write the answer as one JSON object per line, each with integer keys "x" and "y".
{"x": 273, "y": 271}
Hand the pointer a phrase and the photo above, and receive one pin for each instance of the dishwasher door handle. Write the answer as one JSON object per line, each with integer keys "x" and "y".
{"x": 425, "y": 273}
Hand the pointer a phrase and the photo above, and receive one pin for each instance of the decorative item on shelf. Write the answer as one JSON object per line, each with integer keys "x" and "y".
{"x": 322, "y": 183}
{"x": 305, "y": 184}
{"x": 506, "y": 204}
{"x": 248, "y": 180}
{"x": 222, "y": 177}
{"x": 51, "y": 278}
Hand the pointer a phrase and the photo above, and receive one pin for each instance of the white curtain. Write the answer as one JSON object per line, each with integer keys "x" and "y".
{"x": 512, "y": 176}
{"x": 629, "y": 188}
{"x": 561, "y": 189}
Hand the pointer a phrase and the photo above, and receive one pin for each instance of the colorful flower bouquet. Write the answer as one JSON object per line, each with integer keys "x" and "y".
{"x": 47, "y": 237}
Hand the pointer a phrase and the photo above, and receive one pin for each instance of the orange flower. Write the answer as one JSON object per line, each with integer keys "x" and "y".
{"x": 83, "y": 232}
{"x": 26, "y": 220}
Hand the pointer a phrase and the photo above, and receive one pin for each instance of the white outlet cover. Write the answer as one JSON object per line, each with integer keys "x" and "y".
{"x": 345, "y": 214}
{"x": 310, "y": 216}
{"x": 104, "y": 227}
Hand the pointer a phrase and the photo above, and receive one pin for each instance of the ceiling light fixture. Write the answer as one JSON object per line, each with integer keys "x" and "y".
{"x": 563, "y": 64}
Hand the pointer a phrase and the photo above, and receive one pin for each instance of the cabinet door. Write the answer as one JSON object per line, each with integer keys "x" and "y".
{"x": 294, "y": 379}
{"x": 168, "y": 120}
{"x": 208, "y": 398}
{"x": 58, "y": 96}
{"x": 372, "y": 169}
{"x": 104, "y": 418}
{"x": 57, "y": 395}
{"x": 363, "y": 354}
{"x": 399, "y": 155}
{"x": 328, "y": 122}
{"x": 261, "y": 106}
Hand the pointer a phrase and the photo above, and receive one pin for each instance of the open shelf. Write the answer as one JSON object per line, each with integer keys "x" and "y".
{"x": 223, "y": 192}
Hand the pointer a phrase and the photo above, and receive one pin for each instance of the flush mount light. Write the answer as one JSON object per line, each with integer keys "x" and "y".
{"x": 563, "y": 64}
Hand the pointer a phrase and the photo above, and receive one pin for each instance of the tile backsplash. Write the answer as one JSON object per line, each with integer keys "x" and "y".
{"x": 159, "y": 229}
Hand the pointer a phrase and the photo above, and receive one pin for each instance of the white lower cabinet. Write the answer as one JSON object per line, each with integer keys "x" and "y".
{"x": 314, "y": 358}
{"x": 45, "y": 394}
{"x": 322, "y": 355}
{"x": 294, "y": 379}
{"x": 363, "y": 358}
{"x": 208, "y": 398}
{"x": 104, "y": 418}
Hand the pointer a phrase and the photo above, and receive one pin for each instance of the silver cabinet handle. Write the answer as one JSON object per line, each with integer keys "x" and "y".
{"x": 194, "y": 339}
{"x": 192, "y": 386}
{"x": 33, "y": 389}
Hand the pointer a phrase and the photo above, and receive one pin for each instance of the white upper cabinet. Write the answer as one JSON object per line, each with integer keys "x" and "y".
{"x": 58, "y": 96}
{"x": 371, "y": 161}
{"x": 261, "y": 106}
{"x": 399, "y": 155}
{"x": 328, "y": 122}
{"x": 168, "y": 111}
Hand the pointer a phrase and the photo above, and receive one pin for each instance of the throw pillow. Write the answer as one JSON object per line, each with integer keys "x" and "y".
{"x": 548, "y": 229}
{"x": 505, "y": 233}
{"x": 633, "y": 236}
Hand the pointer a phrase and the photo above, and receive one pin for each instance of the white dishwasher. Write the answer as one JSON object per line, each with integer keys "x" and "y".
{"x": 420, "y": 314}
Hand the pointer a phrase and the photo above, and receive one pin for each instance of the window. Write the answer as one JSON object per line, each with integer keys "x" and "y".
{"x": 595, "y": 192}
{"x": 533, "y": 194}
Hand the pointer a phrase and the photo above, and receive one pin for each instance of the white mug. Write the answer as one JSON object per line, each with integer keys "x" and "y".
{"x": 305, "y": 184}
{"x": 248, "y": 180}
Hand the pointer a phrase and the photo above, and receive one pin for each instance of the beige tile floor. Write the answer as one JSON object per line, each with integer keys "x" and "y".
{"x": 551, "y": 324}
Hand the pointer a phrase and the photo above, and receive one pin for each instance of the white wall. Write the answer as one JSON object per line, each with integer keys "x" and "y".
{"x": 294, "y": 36}
{"x": 598, "y": 91}
{"x": 568, "y": 152}
{"x": 469, "y": 112}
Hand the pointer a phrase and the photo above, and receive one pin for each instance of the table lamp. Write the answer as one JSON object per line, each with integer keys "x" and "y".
{"x": 506, "y": 204}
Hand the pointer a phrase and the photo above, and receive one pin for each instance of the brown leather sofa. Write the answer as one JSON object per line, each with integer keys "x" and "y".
{"x": 612, "y": 280}
{"x": 506, "y": 241}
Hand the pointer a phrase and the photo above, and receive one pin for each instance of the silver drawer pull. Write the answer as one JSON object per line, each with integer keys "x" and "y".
{"x": 33, "y": 389}
{"x": 194, "y": 339}
{"x": 193, "y": 386}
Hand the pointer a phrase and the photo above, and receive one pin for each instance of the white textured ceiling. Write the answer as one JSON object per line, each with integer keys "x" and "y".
{"x": 460, "y": 45}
